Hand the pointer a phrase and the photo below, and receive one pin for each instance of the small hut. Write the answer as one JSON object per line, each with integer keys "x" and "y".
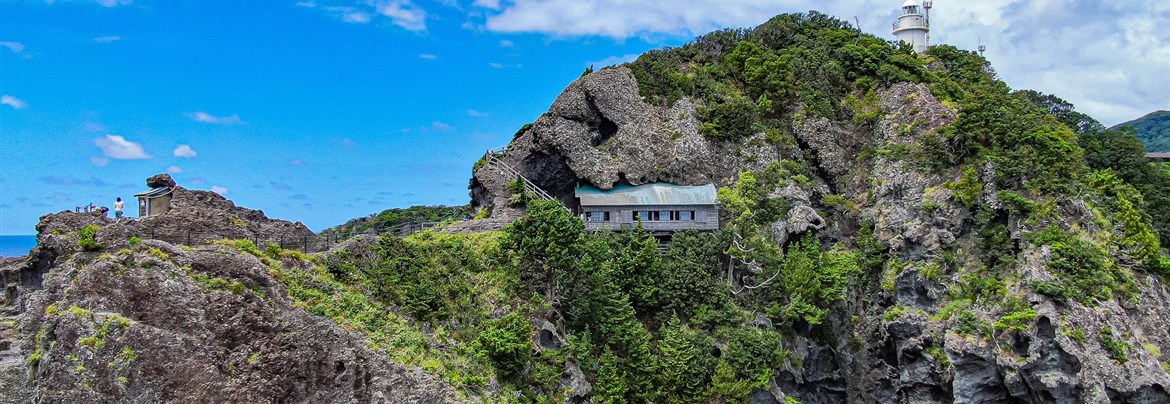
{"x": 659, "y": 207}
{"x": 156, "y": 201}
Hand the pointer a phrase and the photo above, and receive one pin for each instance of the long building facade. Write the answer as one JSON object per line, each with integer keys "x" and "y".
{"x": 659, "y": 207}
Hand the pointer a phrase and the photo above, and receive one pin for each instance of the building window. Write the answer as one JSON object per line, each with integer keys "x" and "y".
{"x": 686, "y": 215}
{"x": 597, "y": 216}
{"x": 665, "y": 215}
{"x": 651, "y": 216}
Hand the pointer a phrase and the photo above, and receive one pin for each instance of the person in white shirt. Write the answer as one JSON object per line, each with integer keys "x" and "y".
{"x": 118, "y": 207}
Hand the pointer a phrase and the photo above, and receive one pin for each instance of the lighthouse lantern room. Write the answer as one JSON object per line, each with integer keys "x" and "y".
{"x": 913, "y": 27}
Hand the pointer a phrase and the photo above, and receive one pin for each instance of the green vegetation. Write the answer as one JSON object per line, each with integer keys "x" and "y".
{"x": 709, "y": 320}
{"x": 1117, "y": 349}
{"x": 1082, "y": 271}
{"x": 1153, "y": 130}
{"x": 86, "y": 238}
{"x": 391, "y": 219}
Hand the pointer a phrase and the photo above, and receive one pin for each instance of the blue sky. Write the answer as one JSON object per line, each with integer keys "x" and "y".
{"x": 321, "y": 111}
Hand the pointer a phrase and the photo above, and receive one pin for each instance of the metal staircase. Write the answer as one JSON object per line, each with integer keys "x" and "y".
{"x": 494, "y": 163}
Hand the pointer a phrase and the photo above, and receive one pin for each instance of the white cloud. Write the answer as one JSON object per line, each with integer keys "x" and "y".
{"x": 492, "y": 4}
{"x": 15, "y": 47}
{"x": 107, "y": 39}
{"x": 504, "y": 43}
{"x": 184, "y": 151}
{"x": 403, "y": 13}
{"x": 477, "y": 114}
{"x": 428, "y": 56}
{"x": 118, "y": 148}
{"x": 201, "y": 116}
{"x": 440, "y": 127}
{"x": 15, "y": 103}
{"x": 1104, "y": 57}
{"x": 174, "y": 169}
{"x": 219, "y": 190}
{"x": 99, "y": 161}
{"x": 356, "y": 17}
{"x": 621, "y": 19}
{"x": 613, "y": 61}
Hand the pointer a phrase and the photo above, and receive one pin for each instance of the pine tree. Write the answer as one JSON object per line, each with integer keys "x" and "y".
{"x": 683, "y": 364}
{"x": 543, "y": 242}
{"x": 610, "y": 387}
{"x": 636, "y": 267}
{"x": 725, "y": 386}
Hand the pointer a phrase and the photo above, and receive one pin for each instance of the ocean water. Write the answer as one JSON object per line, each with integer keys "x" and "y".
{"x": 15, "y": 246}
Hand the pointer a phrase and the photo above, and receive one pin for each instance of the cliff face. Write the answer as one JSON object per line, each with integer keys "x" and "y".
{"x": 151, "y": 322}
{"x": 600, "y": 132}
{"x": 895, "y": 337}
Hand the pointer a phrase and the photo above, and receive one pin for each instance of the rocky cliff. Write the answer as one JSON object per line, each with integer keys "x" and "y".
{"x": 127, "y": 318}
{"x": 960, "y": 310}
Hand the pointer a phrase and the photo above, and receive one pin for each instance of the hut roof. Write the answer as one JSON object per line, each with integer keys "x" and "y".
{"x": 154, "y": 192}
{"x": 659, "y": 193}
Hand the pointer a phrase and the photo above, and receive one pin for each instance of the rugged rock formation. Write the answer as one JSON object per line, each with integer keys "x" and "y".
{"x": 155, "y": 322}
{"x": 599, "y": 132}
{"x": 195, "y": 217}
{"x": 160, "y": 181}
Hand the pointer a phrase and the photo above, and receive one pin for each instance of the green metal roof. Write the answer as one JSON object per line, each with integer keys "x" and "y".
{"x": 659, "y": 193}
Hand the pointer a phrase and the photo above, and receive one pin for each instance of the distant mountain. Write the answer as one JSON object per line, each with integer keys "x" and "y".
{"x": 1153, "y": 130}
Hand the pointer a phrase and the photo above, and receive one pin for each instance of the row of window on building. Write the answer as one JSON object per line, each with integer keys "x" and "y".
{"x": 646, "y": 215}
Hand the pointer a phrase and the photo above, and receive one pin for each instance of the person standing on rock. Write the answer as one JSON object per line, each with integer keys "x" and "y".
{"x": 118, "y": 207}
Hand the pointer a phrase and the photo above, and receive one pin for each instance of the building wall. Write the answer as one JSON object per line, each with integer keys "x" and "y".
{"x": 706, "y": 217}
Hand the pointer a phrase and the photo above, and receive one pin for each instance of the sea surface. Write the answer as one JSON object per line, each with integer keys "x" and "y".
{"x": 15, "y": 246}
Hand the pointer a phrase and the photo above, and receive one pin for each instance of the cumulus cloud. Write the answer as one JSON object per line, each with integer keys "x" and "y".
{"x": 184, "y": 151}
{"x": 204, "y": 117}
{"x": 219, "y": 190}
{"x": 477, "y": 114}
{"x": 15, "y": 103}
{"x": 15, "y": 47}
{"x": 440, "y": 127}
{"x": 621, "y": 19}
{"x": 174, "y": 169}
{"x": 118, "y": 148}
{"x": 428, "y": 56}
{"x": 1105, "y": 57}
{"x": 99, "y": 161}
{"x": 107, "y": 39}
{"x": 403, "y": 13}
{"x": 504, "y": 43}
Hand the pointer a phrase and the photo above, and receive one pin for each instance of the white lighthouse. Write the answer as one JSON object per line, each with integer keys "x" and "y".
{"x": 913, "y": 27}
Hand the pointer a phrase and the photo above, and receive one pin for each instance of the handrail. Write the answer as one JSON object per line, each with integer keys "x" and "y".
{"x": 504, "y": 168}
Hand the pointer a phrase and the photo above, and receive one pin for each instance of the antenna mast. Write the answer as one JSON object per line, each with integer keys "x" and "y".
{"x": 927, "y": 5}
